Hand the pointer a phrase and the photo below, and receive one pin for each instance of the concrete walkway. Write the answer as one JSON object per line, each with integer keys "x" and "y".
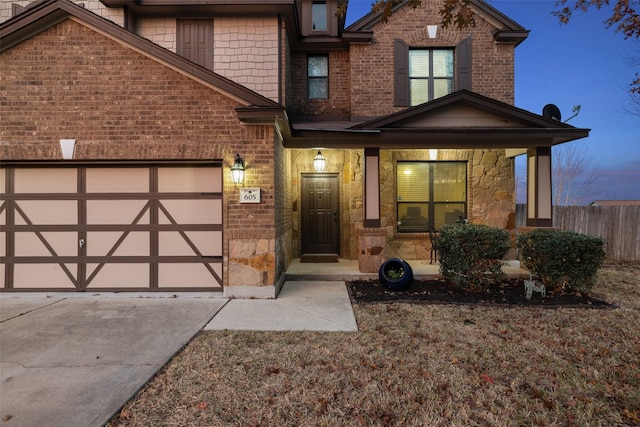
{"x": 75, "y": 359}
{"x": 300, "y": 306}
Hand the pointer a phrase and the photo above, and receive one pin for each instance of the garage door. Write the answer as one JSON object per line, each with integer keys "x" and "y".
{"x": 115, "y": 227}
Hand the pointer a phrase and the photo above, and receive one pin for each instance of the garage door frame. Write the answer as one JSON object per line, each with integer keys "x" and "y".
{"x": 81, "y": 280}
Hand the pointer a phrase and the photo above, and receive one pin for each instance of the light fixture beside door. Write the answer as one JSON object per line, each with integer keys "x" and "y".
{"x": 237, "y": 170}
{"x": 319, "y": 162}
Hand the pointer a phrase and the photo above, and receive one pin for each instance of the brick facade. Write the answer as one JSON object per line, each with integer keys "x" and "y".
{"x": 71, "y": 82}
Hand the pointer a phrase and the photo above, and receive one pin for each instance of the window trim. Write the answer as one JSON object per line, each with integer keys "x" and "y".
{"x": 312, "y": 78}
{"x": 431, "y": 203}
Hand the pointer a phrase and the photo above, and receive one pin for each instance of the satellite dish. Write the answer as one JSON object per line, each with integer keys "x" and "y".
{"x": 551, "y": 111}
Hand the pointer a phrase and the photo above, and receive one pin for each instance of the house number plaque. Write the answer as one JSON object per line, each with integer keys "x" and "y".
{"x": 249, "y": 195}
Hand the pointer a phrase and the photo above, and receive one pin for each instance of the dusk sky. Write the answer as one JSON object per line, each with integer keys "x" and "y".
{"x": 581, "y": 63}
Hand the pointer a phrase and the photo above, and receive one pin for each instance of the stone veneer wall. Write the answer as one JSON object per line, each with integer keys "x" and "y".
{"x": 490, "y": 195}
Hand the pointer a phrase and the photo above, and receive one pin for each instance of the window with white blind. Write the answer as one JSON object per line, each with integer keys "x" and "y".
{"x": 430, "y": 74}
{"x": 430, "y": 194}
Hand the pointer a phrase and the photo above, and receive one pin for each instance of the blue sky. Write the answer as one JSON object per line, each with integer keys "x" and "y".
{"x": 580, "y": 63}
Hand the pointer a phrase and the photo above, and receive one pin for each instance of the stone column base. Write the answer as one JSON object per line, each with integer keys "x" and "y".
{"x": 371, "y": 243}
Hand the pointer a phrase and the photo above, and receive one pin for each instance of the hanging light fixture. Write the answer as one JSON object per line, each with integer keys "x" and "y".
{"x": 237, "y": 170}
{"x": 319, "y": 162}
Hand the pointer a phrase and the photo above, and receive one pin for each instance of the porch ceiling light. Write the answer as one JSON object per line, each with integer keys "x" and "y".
{"x": 319, "y": 162}
{"x": 237, "y": 170}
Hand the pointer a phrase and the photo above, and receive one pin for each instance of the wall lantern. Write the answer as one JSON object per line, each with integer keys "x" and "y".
{"x": 237, "y": 170}
{"x": 68, "y": 147}
{"x": 319, "y": 162}
{"x": 433, "y": 154}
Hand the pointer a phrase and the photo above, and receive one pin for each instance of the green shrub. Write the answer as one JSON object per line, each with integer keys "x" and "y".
{"x": 470, "y": 255}
{"x": 562, "y": 258}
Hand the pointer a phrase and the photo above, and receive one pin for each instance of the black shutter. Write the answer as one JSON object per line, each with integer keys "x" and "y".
{"x": 401, "y": 77}
{"x": 463, "y": 58}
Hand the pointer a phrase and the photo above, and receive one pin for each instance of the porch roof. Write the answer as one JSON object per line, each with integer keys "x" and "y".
{"x": 463, "y": 119}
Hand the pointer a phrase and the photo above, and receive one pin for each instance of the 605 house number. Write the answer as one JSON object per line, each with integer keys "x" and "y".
{"x": 249, "y": 195}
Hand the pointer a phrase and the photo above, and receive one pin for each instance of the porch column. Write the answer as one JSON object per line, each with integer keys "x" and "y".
{"x": 371, "y": 188}
{"x": 539, "y": 196}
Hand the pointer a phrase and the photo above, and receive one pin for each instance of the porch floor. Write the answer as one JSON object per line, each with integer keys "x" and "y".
{"x": 347, "y": 269}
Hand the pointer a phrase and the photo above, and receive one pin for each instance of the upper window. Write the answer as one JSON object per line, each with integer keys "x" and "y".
{"x": 318, "y": 76}
{"x": 430, "y": 194}
{"x": 430, "y": 74}
{"x": 421, "y": 75}
{"x": 319, "y": 16}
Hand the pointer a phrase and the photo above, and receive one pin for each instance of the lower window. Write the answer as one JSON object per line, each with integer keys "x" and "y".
{"x": 430, "y": 194}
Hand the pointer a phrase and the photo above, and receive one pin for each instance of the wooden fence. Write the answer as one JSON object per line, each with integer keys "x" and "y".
{"x": 619, "y": 226}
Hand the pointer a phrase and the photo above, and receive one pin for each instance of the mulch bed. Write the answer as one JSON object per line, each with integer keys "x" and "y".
{"x": 507, "y": 293}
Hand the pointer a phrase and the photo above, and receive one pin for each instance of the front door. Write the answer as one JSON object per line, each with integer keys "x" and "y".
{"x": 320, "y": 231}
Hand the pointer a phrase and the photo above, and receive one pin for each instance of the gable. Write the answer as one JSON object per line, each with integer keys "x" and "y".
{"x": 72, "y": 80}
{"x": 459, "y": 116}
{"x": 52, "y": 12}
{"x": 462, "y": 109}
{"x": 505, "y": 29}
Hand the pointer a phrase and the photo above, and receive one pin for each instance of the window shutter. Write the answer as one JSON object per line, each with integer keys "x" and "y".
{"x": 401, "y": 68}
{"x": 463, "y": 57}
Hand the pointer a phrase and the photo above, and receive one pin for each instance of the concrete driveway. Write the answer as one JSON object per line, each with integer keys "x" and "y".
{"x": 74, "y": 361}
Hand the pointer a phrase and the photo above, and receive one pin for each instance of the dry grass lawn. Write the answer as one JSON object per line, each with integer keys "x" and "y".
{"x": 415, "y": 365}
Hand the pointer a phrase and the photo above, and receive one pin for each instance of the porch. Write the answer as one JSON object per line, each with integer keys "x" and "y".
{"x": 347, "y": 269}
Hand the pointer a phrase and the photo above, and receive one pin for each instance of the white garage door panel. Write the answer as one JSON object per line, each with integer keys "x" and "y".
{"x": 200, "y": 180}
{"x": 98, "y": 227}
{"x": 117, "y": 180}
{"x": 46, "y": 180}
{"x": 120, "y": 212}
{"x": 48, "y": 244}
{"x": 188, "y": 275}
{"x": 207, "y": 211}
{"x": 101, "y": 243}
{"x": 118, "y": 276}
{"x": 28, "y": 276}
{"x": 41, "y": 212}
{"x": 207, "y": 243}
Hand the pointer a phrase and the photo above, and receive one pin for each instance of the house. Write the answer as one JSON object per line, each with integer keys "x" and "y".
{"x": 122, "y": 120}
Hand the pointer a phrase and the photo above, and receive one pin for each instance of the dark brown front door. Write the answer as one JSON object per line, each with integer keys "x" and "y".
{"x": 320, "y": 231}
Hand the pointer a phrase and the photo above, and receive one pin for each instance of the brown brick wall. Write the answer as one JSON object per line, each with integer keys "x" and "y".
{"x": 71, "y": 82}
{"x": 337, "y": 106}
{"x": 372, "y": 66}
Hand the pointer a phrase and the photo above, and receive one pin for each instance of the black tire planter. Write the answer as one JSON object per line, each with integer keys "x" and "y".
{"x": 391, "y": 281}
